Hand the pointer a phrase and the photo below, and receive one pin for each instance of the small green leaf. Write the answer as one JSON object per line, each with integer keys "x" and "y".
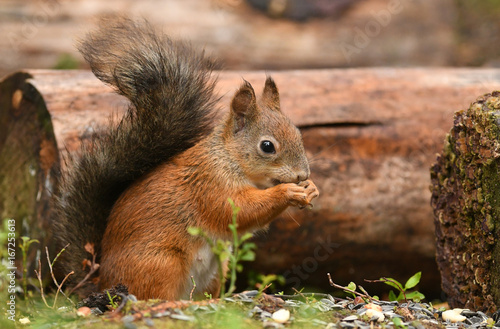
{"x": 223, "y": 256}
{"x": 248, "y": 246}
{"x": 415, "y": 296}
{"x": 392, "y": 296}
{"x": 25, "y": 245}
{"x": 413, "y": 281}
{"x": 234, "y": 207}
{"x": 246, "y": 236}
{"x": 398, "y": 322}
{"x": 194, "y": 231}
{"x": 351, "y": 286}
{"x": 247, "y": 256}
{"x": 400, "y": 297}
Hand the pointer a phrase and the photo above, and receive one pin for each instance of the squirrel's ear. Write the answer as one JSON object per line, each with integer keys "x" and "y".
{"x": 270, "y": 95}
{"x": 243, "y": 105}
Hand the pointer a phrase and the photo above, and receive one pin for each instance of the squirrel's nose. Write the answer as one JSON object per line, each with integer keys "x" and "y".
{"x": 302, "y": 176}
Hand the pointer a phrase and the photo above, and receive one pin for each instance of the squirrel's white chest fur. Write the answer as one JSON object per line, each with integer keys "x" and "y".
{"x": 203, "y": 270}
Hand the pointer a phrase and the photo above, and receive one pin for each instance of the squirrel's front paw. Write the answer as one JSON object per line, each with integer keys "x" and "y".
{"x": 301, "y": 194}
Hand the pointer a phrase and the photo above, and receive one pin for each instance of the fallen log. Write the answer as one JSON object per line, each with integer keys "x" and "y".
{"x": 371, "y": 135}
{"x": 466, "y": 203}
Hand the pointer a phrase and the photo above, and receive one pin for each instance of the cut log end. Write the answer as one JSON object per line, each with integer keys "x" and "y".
{"x": 28, "y": 160}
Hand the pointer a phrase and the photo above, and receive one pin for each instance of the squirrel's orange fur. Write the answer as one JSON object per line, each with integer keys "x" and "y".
{"x": 254, "y": 156}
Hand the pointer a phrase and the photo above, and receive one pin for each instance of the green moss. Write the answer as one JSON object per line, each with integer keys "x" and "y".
{"x": 66, "y": 62}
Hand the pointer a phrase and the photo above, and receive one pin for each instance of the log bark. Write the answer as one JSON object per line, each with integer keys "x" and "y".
{"x": 466, "y": 203}
{"x": 371, "y": 135}
{"x": 244, "y": 38}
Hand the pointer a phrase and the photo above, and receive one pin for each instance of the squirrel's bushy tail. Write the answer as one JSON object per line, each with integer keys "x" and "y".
{"x": 170, "y": 87}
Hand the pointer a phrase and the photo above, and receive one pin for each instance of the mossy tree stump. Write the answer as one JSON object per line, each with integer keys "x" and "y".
{"x": 466, "y": 202}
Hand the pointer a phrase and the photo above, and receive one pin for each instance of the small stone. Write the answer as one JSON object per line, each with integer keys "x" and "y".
{"x": 84, "y": 311}
{"x": 453, "y": 315}
{"x": 375, "y": 315}
{"x": 281, "y": 316}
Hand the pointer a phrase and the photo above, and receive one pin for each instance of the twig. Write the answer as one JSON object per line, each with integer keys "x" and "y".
{"x": 122, "y": 303}
{"x": 347, "y": 289}
{"x": 192, "y": 290}
{"x": 364, "y": 291}
{"x": 59, "y": 286}
{"x": 59, "y": 254}
{"x": 267, "y": 286}
{"x": 39, "y": 276}
{"x": 260, "y": 292}
{"x": 93, "y": 268}
{"x": 299, "y": 293}
{"x": 396, "y": 283}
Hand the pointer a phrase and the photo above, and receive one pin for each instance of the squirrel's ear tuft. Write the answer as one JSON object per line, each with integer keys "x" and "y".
{"x": 270, "y": 95}
{"x": 244, "y": 104}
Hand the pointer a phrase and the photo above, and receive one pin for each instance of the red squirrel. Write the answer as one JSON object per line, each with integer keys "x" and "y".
{"x": 136, "y": 187}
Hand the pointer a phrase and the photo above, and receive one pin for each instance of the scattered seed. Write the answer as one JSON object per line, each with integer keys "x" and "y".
{"x": 350, "y": 318}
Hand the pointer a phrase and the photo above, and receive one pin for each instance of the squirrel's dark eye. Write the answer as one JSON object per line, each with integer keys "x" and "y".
{"x": 267, "y": 147}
